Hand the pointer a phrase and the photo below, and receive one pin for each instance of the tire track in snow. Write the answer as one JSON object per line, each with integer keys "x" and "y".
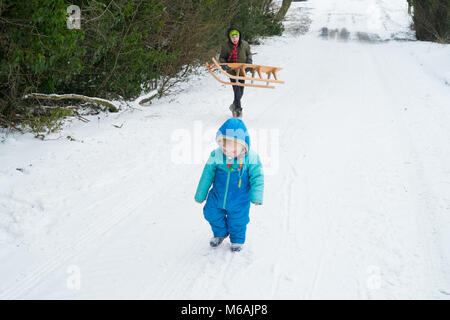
{"x": 429, "y": 220}
{"x": 328, "y": 87}
{"x": 285, "y": 243}
{"x": 69, "y": 250}
{"x": 175, "y": 281}
{"x": 200, "y": 271}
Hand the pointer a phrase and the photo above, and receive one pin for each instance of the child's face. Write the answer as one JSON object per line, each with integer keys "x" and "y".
{"x": 235, "y": 39}
{"x": 232, "y": 148}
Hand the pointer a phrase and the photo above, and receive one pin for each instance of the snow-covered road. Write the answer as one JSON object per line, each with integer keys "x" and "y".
{"x": 356, "y": 148}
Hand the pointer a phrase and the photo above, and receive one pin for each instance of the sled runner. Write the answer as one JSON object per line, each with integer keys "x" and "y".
{"x": 240, "y": 68}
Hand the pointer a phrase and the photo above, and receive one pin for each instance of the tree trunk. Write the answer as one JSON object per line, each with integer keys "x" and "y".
{"x": 283, "y": 10}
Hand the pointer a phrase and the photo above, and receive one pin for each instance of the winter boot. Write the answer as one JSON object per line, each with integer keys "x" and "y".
{"x": 237, "y": 113}
{"x": 216, "y": 241}
{"x": 236, "y": 247}
{"x": 232, "y": 106}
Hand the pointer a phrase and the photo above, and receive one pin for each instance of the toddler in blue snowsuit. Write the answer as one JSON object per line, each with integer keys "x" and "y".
{"x": 236, "y": 175}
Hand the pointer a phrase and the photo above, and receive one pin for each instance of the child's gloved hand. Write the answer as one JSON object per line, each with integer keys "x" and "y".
{"x": 199, "y": 201}
{"x": 256, "y": 203}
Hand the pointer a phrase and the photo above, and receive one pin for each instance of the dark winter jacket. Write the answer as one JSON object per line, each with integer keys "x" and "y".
{"x": 243, "y": 55}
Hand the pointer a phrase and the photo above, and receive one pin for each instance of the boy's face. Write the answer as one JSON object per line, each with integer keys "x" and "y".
{"x": 235, "y": 39}
{"x": 232, "y": 148}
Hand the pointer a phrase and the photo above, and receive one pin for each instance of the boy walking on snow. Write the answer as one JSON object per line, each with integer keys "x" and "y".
{"x": 236, "y": 175}
{"x": 235, "y": 50}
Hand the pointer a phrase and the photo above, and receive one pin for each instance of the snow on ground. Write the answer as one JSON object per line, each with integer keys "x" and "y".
{"x": 356, "y": 154}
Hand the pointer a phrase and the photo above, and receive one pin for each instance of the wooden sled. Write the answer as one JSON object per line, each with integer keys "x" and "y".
{"x": 239, "y": 68}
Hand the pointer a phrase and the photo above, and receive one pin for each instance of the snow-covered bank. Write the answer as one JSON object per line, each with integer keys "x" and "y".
{"x": 357, "y": 188}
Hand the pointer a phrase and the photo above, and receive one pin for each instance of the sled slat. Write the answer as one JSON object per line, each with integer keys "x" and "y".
{"x": 243, "y": 70}
{"x": 238, "y": 66}
{"x": 211, "y": 67}
{"x": 258, "y": 69}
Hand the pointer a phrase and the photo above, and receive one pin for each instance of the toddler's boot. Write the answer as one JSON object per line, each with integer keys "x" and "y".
{"x": 235, "y": 247}
{"x": 216, "y": 241}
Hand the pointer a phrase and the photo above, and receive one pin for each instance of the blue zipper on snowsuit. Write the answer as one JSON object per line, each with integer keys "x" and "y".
{"x": 240, "y": 173}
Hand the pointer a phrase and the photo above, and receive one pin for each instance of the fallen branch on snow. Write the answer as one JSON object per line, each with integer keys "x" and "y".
{"x": 111, "y": 107}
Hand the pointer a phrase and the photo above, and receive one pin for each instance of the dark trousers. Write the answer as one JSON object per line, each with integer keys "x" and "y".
{"x": 238, "y": 93}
